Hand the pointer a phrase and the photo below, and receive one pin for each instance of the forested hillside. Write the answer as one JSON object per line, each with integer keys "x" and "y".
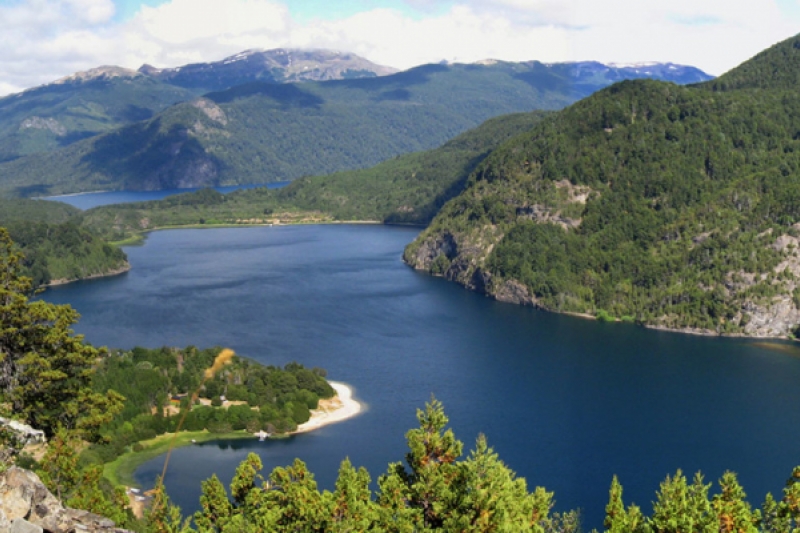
{"x": 52, "y": 116}
{"x": 407, "y": 189}
{"x": 56, "y": 247}
{"x": 672, "y": 206}
{"x": 261, "y": 132}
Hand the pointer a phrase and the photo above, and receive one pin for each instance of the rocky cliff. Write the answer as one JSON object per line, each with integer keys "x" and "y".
{"x": 26, "y": 506}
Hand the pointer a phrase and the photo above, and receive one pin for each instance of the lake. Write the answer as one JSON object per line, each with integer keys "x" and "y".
{"x": 566, "y": 402}
{"x": 94, "y": 199}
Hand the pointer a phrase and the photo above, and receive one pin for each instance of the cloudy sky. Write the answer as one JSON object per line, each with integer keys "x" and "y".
{"x": 43, "y": 40}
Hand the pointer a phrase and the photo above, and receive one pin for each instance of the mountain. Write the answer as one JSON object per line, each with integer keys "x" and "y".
{"x": 261, "y": 132}
{"x": 88, "y": 103}
{"x": 280, "y": 65}
{"x": 83, "y": 105}
{"x": 774, "y": 68}
{"x": 677, "y": 207}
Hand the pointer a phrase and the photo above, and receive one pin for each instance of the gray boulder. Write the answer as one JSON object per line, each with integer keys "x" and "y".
{"x": 26, "y": 506}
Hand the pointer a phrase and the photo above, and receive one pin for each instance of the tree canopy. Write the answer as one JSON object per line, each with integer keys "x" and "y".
{"x": 45, "y": 369}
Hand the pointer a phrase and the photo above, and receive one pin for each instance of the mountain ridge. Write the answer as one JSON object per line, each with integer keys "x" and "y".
{"x": 381, "y": 117}
{"x": 676, "y": 207}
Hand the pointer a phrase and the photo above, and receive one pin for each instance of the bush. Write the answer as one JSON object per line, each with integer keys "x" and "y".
{"x": 603, "y": 316}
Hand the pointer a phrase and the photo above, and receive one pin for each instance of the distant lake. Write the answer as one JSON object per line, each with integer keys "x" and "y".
{"x": 566, "y": 402}
{"x": 94, "y": 199}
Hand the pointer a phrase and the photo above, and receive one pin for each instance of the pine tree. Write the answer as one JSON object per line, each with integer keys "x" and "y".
{"x": 216, "y": 509}
{"x": 618, "y": 520}
{"x": 46, "y": 370}
{"x": 394, "y": 495}
{"x": 351, "y": 506}
{"x": 490, "y": 498}
{"x": 431, "y": 459}
{"x": 681, "y": 508}
{"x": 162, "y": 516}
{"x": 289, "y": 502}
{"x": 790, "y": 505}
{"x": 733, "y": 512}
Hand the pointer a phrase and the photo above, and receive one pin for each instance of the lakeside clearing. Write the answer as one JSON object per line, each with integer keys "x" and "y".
{"x": 330, "y": 411}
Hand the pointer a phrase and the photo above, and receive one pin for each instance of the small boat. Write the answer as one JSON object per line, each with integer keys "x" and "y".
{"x": 262, "y": 435}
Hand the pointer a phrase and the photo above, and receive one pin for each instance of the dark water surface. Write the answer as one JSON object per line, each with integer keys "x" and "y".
{"x": 95, "y": 199}
{"x": 566, "y": 402}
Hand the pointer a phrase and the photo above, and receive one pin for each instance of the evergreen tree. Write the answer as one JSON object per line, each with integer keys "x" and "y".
{"x": 618, "y": 520}
{"x": 490, "y": 498}
{"x": 46, "y": 370}
{"x": 351, "y": 506}
{"x": 431, "y": 459}
{"x": 216, "y": 508}
{"x": 683, "y": 508}
{"x": 733, "y": 512}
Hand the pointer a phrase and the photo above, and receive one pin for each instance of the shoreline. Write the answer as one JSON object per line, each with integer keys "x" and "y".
{"x": 64, "y": 281}
{"x": 529, "y": 302}
{"x": 331, "y": 411}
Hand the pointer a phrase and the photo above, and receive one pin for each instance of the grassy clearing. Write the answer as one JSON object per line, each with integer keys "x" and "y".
{"x": 121, "y": 470}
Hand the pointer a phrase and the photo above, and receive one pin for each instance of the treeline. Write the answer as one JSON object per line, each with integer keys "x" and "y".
{"x": 159, "y": 387}
{"x": 437, "y": 489}
{"x": 55, "y": 244}
{"x": 645, "y": 200}
{"x": 261, "y": 132}
{"x": 408, "y": 189}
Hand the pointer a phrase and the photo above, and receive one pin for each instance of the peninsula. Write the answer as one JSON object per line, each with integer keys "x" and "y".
{"x": 330, "y": 411}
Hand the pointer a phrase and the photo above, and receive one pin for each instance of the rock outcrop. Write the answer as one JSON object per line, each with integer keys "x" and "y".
{"x": 27, "y": 506}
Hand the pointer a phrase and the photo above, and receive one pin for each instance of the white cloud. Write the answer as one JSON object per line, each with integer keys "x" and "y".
{"x": 43, "y": 40}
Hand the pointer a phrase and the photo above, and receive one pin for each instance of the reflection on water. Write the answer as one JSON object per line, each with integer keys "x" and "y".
{"x": 789, "y": 348}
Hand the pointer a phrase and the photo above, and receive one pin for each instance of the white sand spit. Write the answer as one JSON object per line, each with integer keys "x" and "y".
{"x": 340, "y": 407}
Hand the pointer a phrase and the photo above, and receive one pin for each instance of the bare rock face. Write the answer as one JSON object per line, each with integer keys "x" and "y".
{"x": 23, "y": 526}
{"x": 512, "y": 291}
{"x": 212, "y": 110}
{"x": 444, "y": 244}
{"x": 26, "y": 506}
{"x": 39, "y": 123}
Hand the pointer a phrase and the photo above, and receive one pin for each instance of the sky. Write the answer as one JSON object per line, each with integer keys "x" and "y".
{"x": 43, "y": 40}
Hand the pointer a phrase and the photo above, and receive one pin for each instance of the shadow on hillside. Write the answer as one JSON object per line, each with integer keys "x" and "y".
{"x": 31, "y": 191}
{"x": 394, "y": 82}
{"x": 135, "y": 113}
{"x": 288, "y": 95}
{"x": 144, "y": 157}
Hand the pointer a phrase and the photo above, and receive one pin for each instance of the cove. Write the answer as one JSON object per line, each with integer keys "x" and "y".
{"x": 566, "y": 402}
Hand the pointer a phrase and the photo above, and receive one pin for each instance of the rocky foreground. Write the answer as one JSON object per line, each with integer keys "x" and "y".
{"x": 26, "y": 506}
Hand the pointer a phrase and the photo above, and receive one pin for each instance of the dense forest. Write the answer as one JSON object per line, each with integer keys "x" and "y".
{"x": 56, "y": 247}
{"x": 164, "y": 387}
{"x": 262, "y": 132}
{"x": 410, "y": 188}
{"x": 672, "y": 206}
{"x": 46, "y": 118}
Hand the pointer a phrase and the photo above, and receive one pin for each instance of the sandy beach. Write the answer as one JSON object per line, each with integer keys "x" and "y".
{"x": 340, "y": 407}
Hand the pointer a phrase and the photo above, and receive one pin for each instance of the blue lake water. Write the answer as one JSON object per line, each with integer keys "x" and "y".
{"x": 566, "y": 402}
{"x": 94, "y": 199}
